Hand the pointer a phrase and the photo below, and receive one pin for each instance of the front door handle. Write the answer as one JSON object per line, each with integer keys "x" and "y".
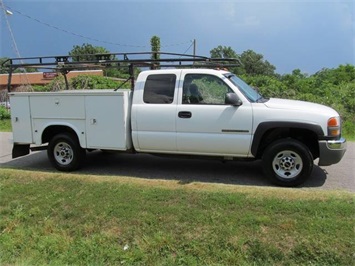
{"x": 185, "y": 114}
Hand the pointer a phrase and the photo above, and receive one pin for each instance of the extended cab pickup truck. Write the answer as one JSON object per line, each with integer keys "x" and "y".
{"x": 189, "y": 112}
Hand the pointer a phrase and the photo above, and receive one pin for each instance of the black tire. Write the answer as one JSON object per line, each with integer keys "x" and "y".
{"x": 64, "y": 152}
{"x": 287, "y": 162}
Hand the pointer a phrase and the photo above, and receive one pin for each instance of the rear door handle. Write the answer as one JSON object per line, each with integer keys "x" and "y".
{"x": 185, "y": 114}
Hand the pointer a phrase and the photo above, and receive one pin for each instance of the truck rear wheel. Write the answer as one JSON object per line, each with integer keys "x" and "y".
{"x": 287, "y": 162}
{"x": 64, "y": 152}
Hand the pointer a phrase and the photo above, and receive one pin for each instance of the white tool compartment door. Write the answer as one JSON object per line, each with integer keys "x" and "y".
{"x": 106, "y": 122}
{"x": 21, "y": 119}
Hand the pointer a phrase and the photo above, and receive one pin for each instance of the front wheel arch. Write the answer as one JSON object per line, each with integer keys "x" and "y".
{"x": 268, "y": 132}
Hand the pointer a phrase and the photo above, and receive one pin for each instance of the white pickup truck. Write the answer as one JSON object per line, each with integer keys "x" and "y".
{"x": 183, "y": 112}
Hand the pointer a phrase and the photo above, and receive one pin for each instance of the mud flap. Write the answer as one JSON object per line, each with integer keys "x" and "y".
{"x": 20, "y": 150}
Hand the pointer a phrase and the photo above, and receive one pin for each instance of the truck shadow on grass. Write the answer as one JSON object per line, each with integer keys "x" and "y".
{"x": 185, "y": 171}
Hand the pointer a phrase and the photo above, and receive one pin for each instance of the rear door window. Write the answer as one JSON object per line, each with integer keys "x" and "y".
{"x": 159, "y": 89}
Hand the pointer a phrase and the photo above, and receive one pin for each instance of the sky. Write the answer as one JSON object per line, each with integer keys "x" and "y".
{"x": 306, "y": 35}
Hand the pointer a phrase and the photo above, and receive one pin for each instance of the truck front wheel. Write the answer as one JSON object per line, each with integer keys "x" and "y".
{"x": 64, "y": 152}
{"x": 287, "y": 162}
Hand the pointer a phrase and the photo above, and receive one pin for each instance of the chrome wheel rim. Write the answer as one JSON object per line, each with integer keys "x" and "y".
{"x": 287, "y": 164}
{"x": 63, "y": 153}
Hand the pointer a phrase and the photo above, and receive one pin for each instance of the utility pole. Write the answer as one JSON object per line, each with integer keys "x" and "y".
{"x": 194, "y": 50}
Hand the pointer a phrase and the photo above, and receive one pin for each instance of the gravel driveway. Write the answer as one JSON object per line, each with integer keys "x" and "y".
{"x": 339, "y": 177}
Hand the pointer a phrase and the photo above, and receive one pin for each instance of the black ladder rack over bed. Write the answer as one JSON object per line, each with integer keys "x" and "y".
{"x": 65, "y": 64}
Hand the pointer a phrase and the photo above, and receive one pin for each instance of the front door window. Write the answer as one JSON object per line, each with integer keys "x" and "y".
{"x": 204, "y": 89}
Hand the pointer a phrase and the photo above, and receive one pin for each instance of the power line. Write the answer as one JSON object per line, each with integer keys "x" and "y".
{"x": 14, "y": 44}
{"x": 87, "y": 37}
{"x": 188, "y": 48}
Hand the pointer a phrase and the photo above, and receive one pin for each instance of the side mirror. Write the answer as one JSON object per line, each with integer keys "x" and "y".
{"x": 233, "y": 99}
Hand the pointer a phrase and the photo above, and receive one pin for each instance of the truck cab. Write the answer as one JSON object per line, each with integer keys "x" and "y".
{"x": 187, "y": 112}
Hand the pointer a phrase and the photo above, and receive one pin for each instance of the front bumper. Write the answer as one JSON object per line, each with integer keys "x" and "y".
{"x": 331, "y": 151}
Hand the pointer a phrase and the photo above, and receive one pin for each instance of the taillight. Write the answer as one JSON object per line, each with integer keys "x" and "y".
{"x": 334, "y": 127}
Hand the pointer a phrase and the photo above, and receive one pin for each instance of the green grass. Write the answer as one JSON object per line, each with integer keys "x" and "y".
{"x": 61, "y": 219}
{"x": 5, "y": 125}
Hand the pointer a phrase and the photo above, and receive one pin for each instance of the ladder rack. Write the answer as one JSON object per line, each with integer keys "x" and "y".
{"x": 65, "y": 64}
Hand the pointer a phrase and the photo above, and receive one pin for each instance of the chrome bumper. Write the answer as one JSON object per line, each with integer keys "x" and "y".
{"x": 331, "y": 151}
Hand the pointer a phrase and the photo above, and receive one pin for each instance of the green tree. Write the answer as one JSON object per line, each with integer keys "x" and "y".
{"x": 341, "y": 74}
{"x": 223, "y": 52}
{"x": 251, "y": 62}
{"x": 298, "y": 82}
{"x": 155, "y": 47}
{"x": 226, "y": 52}
{"x": 88, "y": 52}
{"x": 269, "y": 86}
{"x": 3, "y": 70}
{"x": 254, "y": 64}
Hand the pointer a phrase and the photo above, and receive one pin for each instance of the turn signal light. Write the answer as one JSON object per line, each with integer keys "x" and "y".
{"x": 334, "y": 127}
{"x": 333, "y": 122}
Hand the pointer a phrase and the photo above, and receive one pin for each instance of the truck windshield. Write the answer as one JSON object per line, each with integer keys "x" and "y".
{"x": 249, "y": 92}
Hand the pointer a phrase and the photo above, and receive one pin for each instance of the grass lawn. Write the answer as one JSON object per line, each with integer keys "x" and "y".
{"x": 57, "y": 218}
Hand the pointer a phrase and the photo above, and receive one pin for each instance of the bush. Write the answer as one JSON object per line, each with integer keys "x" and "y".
{"x": 4, "y": 113}
{"x": 84, "y": 82}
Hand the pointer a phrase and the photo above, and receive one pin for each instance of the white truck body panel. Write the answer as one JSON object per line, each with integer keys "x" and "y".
{"x": 101, "y": 119}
